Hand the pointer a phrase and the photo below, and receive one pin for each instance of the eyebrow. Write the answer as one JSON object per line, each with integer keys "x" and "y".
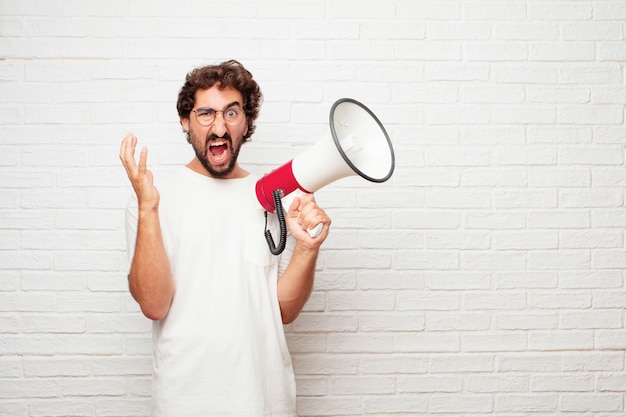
{"x": 234, "y": 103}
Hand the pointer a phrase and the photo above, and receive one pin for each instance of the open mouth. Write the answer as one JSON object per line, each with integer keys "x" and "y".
{"x": 219, "y": 151}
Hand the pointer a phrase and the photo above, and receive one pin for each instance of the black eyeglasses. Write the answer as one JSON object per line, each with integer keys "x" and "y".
{"x": 232, "y": 116}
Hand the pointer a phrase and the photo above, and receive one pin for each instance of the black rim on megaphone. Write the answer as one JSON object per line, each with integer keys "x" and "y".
{"x": 335, "y": 137}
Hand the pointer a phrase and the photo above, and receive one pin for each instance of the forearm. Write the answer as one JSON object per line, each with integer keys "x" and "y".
{"x": 150, "y": 278}
{"x": 296, "y": 283}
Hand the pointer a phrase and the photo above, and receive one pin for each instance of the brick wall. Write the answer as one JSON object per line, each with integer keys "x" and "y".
{"x": 484, "y": 279}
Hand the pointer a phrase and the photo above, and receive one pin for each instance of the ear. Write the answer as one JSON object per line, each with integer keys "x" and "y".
{"x": 184, "y": 122}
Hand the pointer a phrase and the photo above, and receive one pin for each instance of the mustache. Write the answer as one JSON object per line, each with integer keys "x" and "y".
{"x": 213, "y": 136}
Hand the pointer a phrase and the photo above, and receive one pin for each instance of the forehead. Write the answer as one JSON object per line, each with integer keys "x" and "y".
{"x": 217, "y": 97}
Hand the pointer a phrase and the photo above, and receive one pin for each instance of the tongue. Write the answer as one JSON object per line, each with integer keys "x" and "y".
{"x": 217, "y": 150}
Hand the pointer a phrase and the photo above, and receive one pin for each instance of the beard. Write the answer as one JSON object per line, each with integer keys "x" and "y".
{"x": 202, "y": 150}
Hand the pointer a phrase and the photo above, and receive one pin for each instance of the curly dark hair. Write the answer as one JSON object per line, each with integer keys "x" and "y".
{"x": 227, "y": 74}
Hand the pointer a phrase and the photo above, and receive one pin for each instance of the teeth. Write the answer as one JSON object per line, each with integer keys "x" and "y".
{"x": 218, "y": 143}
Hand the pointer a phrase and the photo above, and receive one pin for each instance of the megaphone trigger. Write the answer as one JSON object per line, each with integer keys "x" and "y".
{"x": 315, "y": 231}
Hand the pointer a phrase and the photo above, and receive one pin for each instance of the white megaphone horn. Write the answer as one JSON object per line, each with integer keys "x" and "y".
{"x": 360, "y": 146}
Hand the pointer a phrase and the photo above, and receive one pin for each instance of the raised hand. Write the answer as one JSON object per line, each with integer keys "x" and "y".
{"x": 139, "y": 175}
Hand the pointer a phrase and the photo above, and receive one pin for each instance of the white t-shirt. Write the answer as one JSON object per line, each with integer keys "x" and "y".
{"x": 221, "y": 349}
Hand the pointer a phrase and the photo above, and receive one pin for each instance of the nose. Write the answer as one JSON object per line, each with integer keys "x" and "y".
{"x": 219, "y": 124}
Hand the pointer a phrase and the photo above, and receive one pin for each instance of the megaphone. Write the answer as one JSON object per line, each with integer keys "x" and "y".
{"x": 360, "y": 146}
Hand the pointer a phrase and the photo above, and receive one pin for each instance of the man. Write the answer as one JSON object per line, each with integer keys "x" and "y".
{"x": 201, "y": 268}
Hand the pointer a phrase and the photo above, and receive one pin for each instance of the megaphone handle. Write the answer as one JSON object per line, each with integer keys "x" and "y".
{"x": 315, "y": 231}
{"x": 277, "y": 250}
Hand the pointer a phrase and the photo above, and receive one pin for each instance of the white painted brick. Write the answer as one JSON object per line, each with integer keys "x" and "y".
{"x": 524, "y": 156}
{"x": 608, "y": 95}
{"x": 613, "y": 51}
{"x": 450, "y": 71}
{"x": 605, "y": 319}
{"x": 532, "y": 198}
{"x": 463, "y": 321}
{"x": 525, "y": 279}
{"x": 441, "y": 30}
{"x": 527, "y": 32}
{"x": 438, "y": 260}
{"x": 53, "y": 324}
{"x": 381, "y": 322}
{"x": 87, "y": 387}
{"x": 598, "y": 115}
{"x": 560, "y": 11}
{"x": 122, "y": 407}
{"x": 426, "y": 342}
{"x": 540, "y": 114}
{"x": 526, "y": 321}
{"x": 593, "y": 361}
{"x": 305, "y": 343}
{"x": 11, "y": 367}
{"x": 485, "y": 278}
{"x": 54, "y": 367}
{"x": 560, "y": 134}
{"x": 494, "y": 220}
{"x": 560, "y": 301}
{"x": 355, "y": 385}
{"x": 580, "y": 239}
{"x": 310, "y": 387}
{"x": 325, "y": 322}
{"x": 366, "y": 300}
{"x": 563, "y": 52}
{"x": 596, "y": 279}
{"x": 490, "y": 260}
{"x": 427, "y": 302}
{"x": 527, "y": 403}
{"x": 435, "y": 50}
{"x": 559, "y": 177}
{"x": 456, "y": 240}
{"x": 526, "y": 240}
{"x": 359, "y": 343}
{"x": 329, "y": 406}
{"x": 497, "y": 383}
{"x": 495, "y": 51}
{"x": 592, "y": 31}
{"x": 559, "y": 219}
{"x": 393, "y": 364}
{"x": 395, "y": 404}
{"x": 561, "y": 383}
{"x": 592, "y": 402}
{"x": 571, "y": 95}
{"x": 388, "y": 280}
{"x": 429, "y": 384}
{"x": 326, "y": 364}
{"x": 558, "y": 341}
{"x": 494, "y": 342}
{"x": 451, "y": 280}
{"x": 500, "y": 301}
{"x": 612, "y": 382}
{"x": 121, "y": 366}
{"x": 609, "y": 299}
{"x": 572, "y": 259}
{"x": 590, "y": 74}
{"x": 529, "y": 362}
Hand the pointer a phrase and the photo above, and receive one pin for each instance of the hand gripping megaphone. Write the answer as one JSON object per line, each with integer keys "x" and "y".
{"x": 359, "y": 146}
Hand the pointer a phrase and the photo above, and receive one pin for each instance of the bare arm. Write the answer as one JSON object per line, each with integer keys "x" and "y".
{"x": 296, "y": 283}
{"x": 150, "y": 279}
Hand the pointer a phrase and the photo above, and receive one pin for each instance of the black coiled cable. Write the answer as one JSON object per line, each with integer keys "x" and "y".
{"x": 277, "y": 194}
